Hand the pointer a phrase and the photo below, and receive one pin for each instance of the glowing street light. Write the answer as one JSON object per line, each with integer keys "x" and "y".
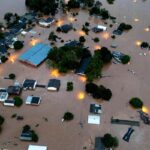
{"x": 105, "y": 35}
{"x": 145, "y": 109}
{"x": 81, "y": 95}
{"x": 55, "y": 73}
{"x": 59, "y": 23}
{"x": 81, "y": 33}
{"x": 33, "y": 42}
{"x": 136, "y": 19}
{"x": 147, "y": 29}
{"x": 83, "y": 79}
{"x": 13, "y": 58}
{"x": 71, "y": 19}
{"x": 97, "y": 47}
{"x": 138, "y": 43}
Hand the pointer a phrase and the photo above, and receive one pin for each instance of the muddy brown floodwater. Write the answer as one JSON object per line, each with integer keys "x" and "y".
{"x": 124, "y": 85}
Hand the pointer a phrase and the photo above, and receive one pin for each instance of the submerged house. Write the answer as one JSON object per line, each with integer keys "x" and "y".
{"x": 37, "y": 147}
{"x": 66, "y": 28}
{"x": 83, "y": 65}
{"x": 95, "y": 109}
{"x": 98, "y": 144}
{"x": 73, "y": 44}
{"x": 26, "y": 136}
{"x": 3, "y": 95}
{"x": 33, "y": 100}
{"x": 29, "y": 84}
{"x": 46, "y": 22}
{"x": 9, "y": 103}
{"x": 53, "y": 85}
{"x": 14, "y": 90}
{"x": 99, "y": 28}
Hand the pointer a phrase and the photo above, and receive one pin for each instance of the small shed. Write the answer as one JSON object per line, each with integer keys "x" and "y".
{"x": 29, "y": 84}
{"x": 53, "y": 85}
{"x": 93, "y": 119}
{"x": 33, "y": 100}
{"x": 95, "y": 109}
{"x": 37, "y": 147}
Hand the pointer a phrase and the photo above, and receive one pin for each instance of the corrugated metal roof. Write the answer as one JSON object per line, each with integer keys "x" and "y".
{"x": 36, "y": 54}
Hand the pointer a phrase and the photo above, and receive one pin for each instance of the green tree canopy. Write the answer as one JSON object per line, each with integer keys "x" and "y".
{"x": 18, "y": 45}
{"x": 109, "y": 141}
{"x": 18, "y": 101}
{"x": 136, "y": 102}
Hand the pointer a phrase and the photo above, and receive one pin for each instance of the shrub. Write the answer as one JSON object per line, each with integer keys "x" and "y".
{"x": 4, "y": 59}
{"x": 14, "y": 116}
{"x": 82, "y": 39}
{"x": 91, "y": 88}
{"x": 136, "y": 103}
{"x": 35, "y": 137}
{"x": 26, "y": 128}
{"x": 96, "y": 40}
{"x": 58, "y": 29}
{"x": 12, "y": 76}
{"x": 69, "y": 86}
{"x": 18, "y": 45}
{"x": 125, "y": 59}
{"x": 110, "y": 1}
{"x": 68, "y": 116}
{"x": 18, "y": 101}
{"x": 144, "y": 45}
{"x": 1, "y": 120}
{"x": 109, "y": 141}
{"x": 124, "y": 27}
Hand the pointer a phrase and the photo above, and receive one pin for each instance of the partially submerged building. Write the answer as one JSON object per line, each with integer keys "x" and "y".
{"x": 46, "y": 22}
{"x": 14, "y": 90}
{"x": 83, "y": 66}
{"x": 9, "y": 103}
{"x": 66, "y": 28}
{"x": 95, "y": 109}
{"x": 99, "y": 28}
{"x": 33, "y": 100}
{"x": 36, "y": 55}
{"x": 3, "y": 95}
{"x": 53, "y": 85}
{"x": 29, "y": 84}
{"x": 26, "y": 136}
{"x": 37, "y": 147}
{"x": 98, "y": 144}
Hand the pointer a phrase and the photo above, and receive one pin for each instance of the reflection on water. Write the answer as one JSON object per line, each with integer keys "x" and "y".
{"x": 15, "y": 6}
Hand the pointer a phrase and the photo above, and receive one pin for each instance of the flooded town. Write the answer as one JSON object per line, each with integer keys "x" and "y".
{"x": 74, "y": 74}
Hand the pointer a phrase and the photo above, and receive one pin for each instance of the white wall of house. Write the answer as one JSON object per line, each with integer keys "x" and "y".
{"x": 52, "y": 88}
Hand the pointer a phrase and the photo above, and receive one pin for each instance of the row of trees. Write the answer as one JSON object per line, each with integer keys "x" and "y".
{"x": 67, "y": 58}
{"x": 98, "y": 92}
{"x": 103, "y": 13}
{"x": 45, "y": 6}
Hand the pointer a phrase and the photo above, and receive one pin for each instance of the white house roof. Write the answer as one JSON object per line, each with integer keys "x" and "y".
{"x": 3, "y": 96}
{"x": 102, "y": 27}
{"x": 94, "y": 119}
{"x": 36, "y": 147}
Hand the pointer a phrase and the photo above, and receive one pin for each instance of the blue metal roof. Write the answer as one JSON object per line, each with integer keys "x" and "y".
{"x": 36, "y": 54}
